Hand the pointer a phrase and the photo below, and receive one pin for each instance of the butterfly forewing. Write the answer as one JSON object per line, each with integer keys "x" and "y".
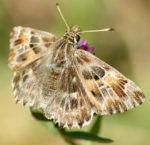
{"x": 107, "y": 89}
{"x": 27, "y": 48}
{"x": 28, "y": 45}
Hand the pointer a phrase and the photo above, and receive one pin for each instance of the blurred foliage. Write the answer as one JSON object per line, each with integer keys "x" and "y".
{"x": 68, "y": 136}
{"x": 127, "y": 49}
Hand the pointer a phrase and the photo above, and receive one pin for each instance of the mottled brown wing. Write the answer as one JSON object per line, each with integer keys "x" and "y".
{"x": 52, "y": 83}
{"x": 27, "y": 83}
{"x": 108, "y": 90}
{"x": 32, "y": 85}
{"x": 28, "y": 45}
{"x": 69, "y": 106}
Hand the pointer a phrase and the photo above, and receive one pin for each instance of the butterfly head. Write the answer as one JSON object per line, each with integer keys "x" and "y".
{"x": 73, "y": 34}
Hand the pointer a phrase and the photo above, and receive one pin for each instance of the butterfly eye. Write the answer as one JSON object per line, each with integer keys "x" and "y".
{"x": 77, "y": 38}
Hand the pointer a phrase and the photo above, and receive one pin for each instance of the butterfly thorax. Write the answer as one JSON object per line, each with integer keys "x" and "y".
{"x": 64, "y": 48}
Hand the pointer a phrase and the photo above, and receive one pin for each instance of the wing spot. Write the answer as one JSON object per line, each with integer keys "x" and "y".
{"x": 80, "y": 61}
{"x": 122, "y": 83}
{"x": 93, "y": 93}
{"x": 18, "y": 41}
{"x": 16, "y": 79}
{"x": 36, "y": 50}
{"x": 31, "y": 45}
{"x": 63, "y": 102}
{"x": 70, "y": 125}
{"x": 12, "y": 54}
{"x": 96, "y": 93}
{"x": 45, "y": 39}
{"x": 123, "y": 106}
{"x": 116, "y": 105}
{"x": 32, "y": 32}
{"x": 88, "y": 118}
{"x": 85, "y": 58}
{"x": 104, "y": 91}
{"x": 67, "y": 107}
{"x": 47, "y": 44}
{"x": 85, "y": 114}
{"x": 23, "y": 72}
{"x": 110, "y": 109}
{"x": 74, "y": 103}
{"x": 98, "y": 70}
{"x": 81, "y": 102}
{"x": 96, "y": 77}
{"x": 34, "y": 39}
{"x": 21, "y": 58}
{"x": 107, "y": 68}
{"x": 61, "y": 125}
{"x": 137, "y": 97}
{"x": 60, "y": 62}
{"x": 86, "y": 74}
{"x": 25, "y": 78}
{"x": 73, "y": 87}
{"x": 118, "y": 90}
{"x": 110, "y": 105}
{"x": 81, "y": 123}
{"x": 58, "y": 99}
{"x": 21, "y": 50}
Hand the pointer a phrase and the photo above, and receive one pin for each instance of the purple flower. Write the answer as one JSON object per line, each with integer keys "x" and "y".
{"x": 85, "y": 46}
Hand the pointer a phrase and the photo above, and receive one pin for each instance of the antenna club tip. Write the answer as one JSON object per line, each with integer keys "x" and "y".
{"x": 111, "y": 29}
{"x": 57, "y": 4}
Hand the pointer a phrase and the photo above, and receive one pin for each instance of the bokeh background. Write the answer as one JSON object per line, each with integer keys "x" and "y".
{"x": 127, "y": 49}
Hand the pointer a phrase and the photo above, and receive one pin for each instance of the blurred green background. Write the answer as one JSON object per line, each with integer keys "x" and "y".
{"x": 127, "y": 49}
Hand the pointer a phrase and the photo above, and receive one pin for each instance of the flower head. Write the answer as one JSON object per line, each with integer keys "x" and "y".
{"x": 85, "y": 46}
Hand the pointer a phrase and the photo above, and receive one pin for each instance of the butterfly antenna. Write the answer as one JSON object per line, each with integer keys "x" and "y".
{"x": 57, "y": 5}
{"x": 101, "y": 30}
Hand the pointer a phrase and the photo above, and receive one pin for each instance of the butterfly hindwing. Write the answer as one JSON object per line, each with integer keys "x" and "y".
{"x": 69, "y": 107}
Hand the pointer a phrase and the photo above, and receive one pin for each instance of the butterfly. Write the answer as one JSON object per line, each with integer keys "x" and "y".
{"x": 68, "y": 83}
